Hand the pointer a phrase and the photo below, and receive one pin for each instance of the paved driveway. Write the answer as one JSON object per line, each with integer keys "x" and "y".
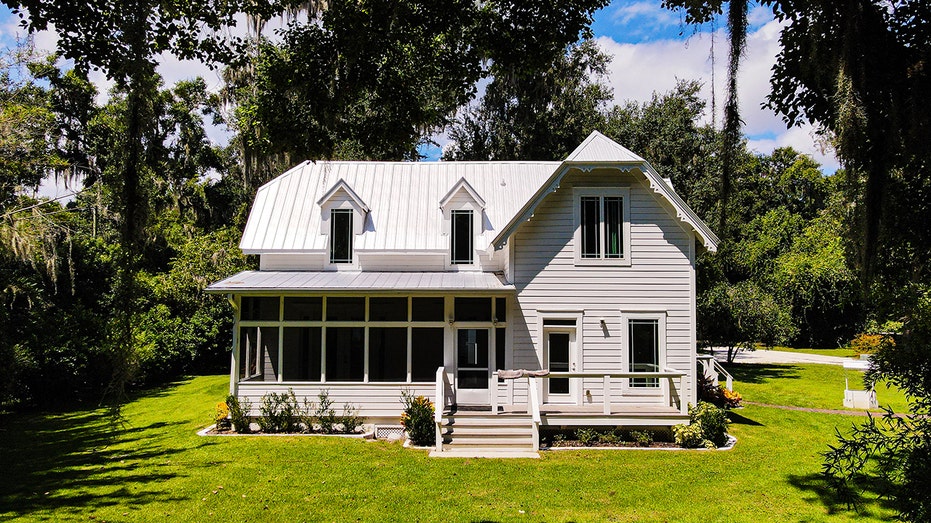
{"x": 775, "y": 356}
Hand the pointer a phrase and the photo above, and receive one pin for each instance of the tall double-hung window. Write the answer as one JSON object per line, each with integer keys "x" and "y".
{"x": 602, "y": 226}
{"x": 341, "y": 236}
{"x": 461, "y": 237}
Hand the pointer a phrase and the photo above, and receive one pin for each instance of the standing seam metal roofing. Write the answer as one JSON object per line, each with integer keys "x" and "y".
{"x": 403, "y": 198}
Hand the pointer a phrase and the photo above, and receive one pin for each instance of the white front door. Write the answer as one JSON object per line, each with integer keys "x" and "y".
{"x": 560, "y": 355}
{"x": 472, "y": 370}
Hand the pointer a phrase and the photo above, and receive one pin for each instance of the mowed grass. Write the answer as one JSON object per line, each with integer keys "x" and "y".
{"x": 70, "y": 467}
{"x": 806, "y": 385}
{"x": 842, "y": 352}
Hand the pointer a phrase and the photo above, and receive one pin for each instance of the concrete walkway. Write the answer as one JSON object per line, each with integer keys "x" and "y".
{"x": 774, "y": 356}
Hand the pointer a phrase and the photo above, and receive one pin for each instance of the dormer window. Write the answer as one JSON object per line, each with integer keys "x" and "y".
{"x": 343, "y": 215}
{"x": 461, "y": 241}
{"x": 602, "y": 221}
{"x": 341, "y": 236}
{"x": 463, "y": 214}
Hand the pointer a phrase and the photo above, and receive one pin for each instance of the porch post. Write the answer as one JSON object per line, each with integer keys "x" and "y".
{"x": 607, "y": 395}
{"x": 234, "y": 357}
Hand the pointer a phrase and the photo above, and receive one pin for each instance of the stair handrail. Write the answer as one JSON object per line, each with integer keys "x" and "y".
{"x": 533, "y": 406}
{"x": 728, "y": 379}
{"x": 439, "y": 405}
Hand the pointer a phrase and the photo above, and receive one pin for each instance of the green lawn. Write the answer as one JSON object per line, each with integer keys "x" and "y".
{"x": 842, "y": 352}
{"x": 68, "y": 467}
{"x": 806, "y": 385}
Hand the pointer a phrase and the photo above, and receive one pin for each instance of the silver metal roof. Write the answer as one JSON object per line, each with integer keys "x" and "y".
{"x": 599, "y": 148}
{"x": 404, "y": 199}
{"x": 315, "y": 281}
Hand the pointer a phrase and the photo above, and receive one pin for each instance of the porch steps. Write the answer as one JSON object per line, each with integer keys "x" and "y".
{"x": 468, "y": 433}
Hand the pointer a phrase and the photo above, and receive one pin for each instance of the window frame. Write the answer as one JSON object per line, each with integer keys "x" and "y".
{"x": 601, "y": 193}
{"x": 661, "y": 334}
{"x": 470, "y": 250}
{"x": 332, "y": 237}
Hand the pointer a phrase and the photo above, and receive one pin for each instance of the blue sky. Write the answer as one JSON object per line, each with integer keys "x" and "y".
{"x": 651, "y": 48}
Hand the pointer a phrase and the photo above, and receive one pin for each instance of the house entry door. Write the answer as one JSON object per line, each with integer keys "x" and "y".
{"x": 472, "y": 371}
{"x": 559, "y": 350}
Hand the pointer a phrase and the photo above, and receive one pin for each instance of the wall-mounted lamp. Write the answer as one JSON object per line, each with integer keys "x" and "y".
{"x": 603, "y": 323}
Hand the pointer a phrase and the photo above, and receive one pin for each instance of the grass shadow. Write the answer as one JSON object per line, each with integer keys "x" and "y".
{"x": 738, "y": 419}
{"x": 762, "y": 373}
{"x": 80, "y": 461}
{"x": 868, "y": 505}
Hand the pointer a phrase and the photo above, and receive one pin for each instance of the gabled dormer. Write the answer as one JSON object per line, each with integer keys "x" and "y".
{"x": 463, "y": 215}
{"x": 342, "y": 217}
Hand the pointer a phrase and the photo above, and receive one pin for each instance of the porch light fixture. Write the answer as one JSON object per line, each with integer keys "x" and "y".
{"x": 603, "y": 323}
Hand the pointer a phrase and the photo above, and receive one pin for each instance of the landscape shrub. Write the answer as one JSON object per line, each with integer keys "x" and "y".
{"x": 586, "y": 436}
{"x": 708, "y": 427}
{"x": 717, "y": 395}
{"x": 643, "y": 438}
{"x": 417, "y": 419}
{"x": 350, "y": 420}
{"x": 608, "y": 437}
{"x": 280, "y": 412}
{"x": 324, "y": 415}
{"x": 222, "y": 416}
{"x": 239, "y": 413}
{"x": 865, "y": 343}
{"x": 689, "y": 436}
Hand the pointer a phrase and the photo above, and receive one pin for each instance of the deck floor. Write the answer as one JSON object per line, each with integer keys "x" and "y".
{"x": 625, "y": 410}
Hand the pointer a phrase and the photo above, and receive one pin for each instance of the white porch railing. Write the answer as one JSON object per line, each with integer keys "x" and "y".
{"x": 439, "y": 405}
{"x": 713, "y": 371}
{"x": 671, "y": 381}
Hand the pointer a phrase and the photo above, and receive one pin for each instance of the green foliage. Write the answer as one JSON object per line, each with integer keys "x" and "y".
{"x": 608, "y": 437}
{"x": 707, "y": 427}
{"x": 239, "y": 413}
{"x": 324, "y": 414}
{"x": 279, "y": 412}
{"x": 734, "y": 316}
{"x": 586, "y": 436}
{"x": 350, "y": 420}
{"x": 643, "y": 438}
{"x": 417, "y": 419}
{"x": 689, "y": 436}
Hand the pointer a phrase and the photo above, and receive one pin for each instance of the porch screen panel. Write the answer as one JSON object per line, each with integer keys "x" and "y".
{"x": 428, "y": 309}
{"x": 644, "y": 351}
{"x": 302, "y": 350}
{"x": 258, "y": 308}
{"x": 387, "y": 354}
{"x": 591, "y": 218}
{"x": 614, "y": 242}
{"x": 473, "y": 309}
{"x": 345, "y": 353}
{"x": 388, "y": 309}
{"x": 258, "y": 353}
{"x": 426, "y": 353}
{"x": 303, "y": 308}
{"x": 345, "y": 309}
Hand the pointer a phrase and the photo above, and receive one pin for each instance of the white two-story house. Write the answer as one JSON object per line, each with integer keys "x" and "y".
{"x": 380, "y": 277}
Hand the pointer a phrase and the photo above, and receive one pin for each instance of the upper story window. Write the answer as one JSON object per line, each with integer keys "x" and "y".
{"x": 341, "y": 236}
{"x": 461, "y": 237}
{"x": 602, "y": 226}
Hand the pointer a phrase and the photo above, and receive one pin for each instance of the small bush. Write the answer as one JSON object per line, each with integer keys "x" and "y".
{"x": 239, "y": 413}
{"x": 732, "y": 398}
{"x": 865, "y": 343}
{"x": 717, "y": 395}
{"x": 417, "y": 419}
{"x": 689, "y": 436}
{"x": 280, "y": 412}
{"x": 586, "y": 436}
{"x": 712, "y": 420}
{"x": 324, "y": 415}
{"x": 222, "y": 416}
{"x": 350, "y": 420}
{"x": 643, "y": 438}
{"x": 609, "y": 438}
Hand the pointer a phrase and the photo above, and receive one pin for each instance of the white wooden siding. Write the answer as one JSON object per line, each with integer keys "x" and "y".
{"x": 659, "y": 280}
{"x": 374, "y": 400}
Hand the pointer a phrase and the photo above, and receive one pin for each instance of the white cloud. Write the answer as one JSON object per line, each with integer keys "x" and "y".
{"x": 640, "y": 69}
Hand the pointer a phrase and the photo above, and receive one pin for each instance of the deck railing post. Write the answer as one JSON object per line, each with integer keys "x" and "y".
{"x": 607, "y": 395}
{"x": 493, "y": 388}
{"x": 533, "y": 404}
{"x": 683, "y": 406}
{"x": 439, "y": 405}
